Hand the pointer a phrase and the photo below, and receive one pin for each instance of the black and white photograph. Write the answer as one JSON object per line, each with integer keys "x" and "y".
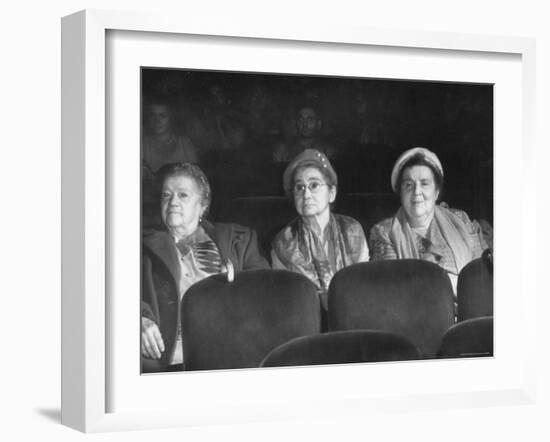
{"x": 300, "y": 220}
{"x": 271, "y": 221}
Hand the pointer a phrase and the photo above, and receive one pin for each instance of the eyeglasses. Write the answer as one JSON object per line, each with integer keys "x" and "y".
{"x": 313, "y": 187}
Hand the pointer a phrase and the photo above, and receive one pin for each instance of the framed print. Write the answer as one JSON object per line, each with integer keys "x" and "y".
{"x": 117, "y": 66}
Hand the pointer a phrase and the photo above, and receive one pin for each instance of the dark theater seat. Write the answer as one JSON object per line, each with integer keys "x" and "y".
{"x": 342, "y": 347}
{"x": 234, "y": 325}
{"x": 410, "y": 297}
{"x": 365, "y": 167}
{"x": 367, "y": 208}
{"x": 470, "y": 338}
{"x": 265, "y": 214}
{"x": 475, "y": 290}
{"x": 150, "y": 365}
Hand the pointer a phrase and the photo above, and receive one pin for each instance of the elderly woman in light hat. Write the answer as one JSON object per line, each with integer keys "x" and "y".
{"x": 422, "y": 229}
{"x": 317, "y": 243}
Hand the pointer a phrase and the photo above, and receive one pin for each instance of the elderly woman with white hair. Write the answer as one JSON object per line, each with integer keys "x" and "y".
{"x": 421, "y": 228}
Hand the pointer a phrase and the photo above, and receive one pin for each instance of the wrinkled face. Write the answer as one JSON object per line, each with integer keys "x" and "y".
{"x": 307, "y": 122}
{"x": 315, "y": 199}
{"x": 418, "y": 192}
{"x": 160, "y": 119}
{"x": 181, "y": 203}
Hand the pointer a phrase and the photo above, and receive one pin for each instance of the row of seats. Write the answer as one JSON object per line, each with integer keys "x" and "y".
{"x": 470, "y": 338}
{"x": 405, "y": 305}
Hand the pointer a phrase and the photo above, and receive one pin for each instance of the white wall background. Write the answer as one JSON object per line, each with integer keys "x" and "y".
{"x": 30, "y": 186}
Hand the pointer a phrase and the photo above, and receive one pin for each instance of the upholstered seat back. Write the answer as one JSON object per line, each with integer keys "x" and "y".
{"x": 475, "y": 291}
{"x": 410, "y": 297}
{"x": 470, "y": 338}
{"x": 342, "y": 347}
{"x": 234, "y": 325}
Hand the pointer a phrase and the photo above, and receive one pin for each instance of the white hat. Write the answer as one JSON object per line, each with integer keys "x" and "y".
{"x": 426, "y": 154}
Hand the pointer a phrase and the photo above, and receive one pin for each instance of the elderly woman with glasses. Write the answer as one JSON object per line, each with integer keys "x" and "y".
{"x": 317, "y": 243}
{"x": 421, "y": 228}
{"x": 187, "y": 250}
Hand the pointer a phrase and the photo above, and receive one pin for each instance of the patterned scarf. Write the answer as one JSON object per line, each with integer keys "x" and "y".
{"x": 204, "y": 250}
{"x": 303, "y": 252}
{"x": 452, "y": 228}
{"x": 326, "y": 256}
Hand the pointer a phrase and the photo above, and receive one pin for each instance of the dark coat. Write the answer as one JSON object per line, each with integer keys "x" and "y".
{"x": 161, "y": 272}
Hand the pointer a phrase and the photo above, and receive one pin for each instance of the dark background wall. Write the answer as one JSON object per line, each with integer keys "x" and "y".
{"x": 236, "y": 119}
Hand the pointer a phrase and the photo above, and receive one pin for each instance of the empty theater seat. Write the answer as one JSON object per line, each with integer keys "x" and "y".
{"x": 265, "y": 214}
{"x": 234, "y": 325}
{"x": 342, "y": 347}
{"x": 470, "y": 338}
{"x": 367, "y": 208}
{"x": 410, "y": 297}
{"x": 475, "y": 289}
{"x": 365, "y": 167}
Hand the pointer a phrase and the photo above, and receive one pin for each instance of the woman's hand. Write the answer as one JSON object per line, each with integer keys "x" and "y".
{"x": 152, "y": 345}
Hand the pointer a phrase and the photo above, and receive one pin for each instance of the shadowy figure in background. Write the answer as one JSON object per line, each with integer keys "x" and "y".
{"x": 308, "y": 128}
{"x": 263, "y": 121}
{"x": 217, "y": 127}
{"x": 162, "y": 143}
{"x": 263, "y": 129}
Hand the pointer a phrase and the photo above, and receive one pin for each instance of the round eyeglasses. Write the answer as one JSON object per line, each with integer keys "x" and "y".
{"x": 313, "y": 187}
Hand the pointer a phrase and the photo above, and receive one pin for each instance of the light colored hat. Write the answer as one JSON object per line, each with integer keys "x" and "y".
{"x": 309, "y": 157}
{"x": 426, "y": 154}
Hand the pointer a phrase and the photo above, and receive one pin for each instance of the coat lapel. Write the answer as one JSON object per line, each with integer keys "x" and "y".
{"x": 162, "y": 245}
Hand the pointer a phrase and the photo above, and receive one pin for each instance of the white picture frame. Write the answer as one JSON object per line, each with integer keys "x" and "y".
{"x": 88, "y": 236}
